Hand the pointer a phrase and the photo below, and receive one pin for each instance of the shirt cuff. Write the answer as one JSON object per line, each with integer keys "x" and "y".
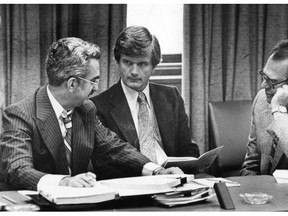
{"x": 49, "y": 179}
{"x": 149, "y": 168}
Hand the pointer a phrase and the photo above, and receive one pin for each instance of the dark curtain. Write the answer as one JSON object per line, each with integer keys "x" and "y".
{"x": 224, "y": 47}
{"x": 27, "y": 31}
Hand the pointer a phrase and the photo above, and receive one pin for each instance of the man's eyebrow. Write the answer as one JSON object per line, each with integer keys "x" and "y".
{"x": 97, "y": 77}
{"x": 274, "y": 80}
{"x": 270, "y": 78}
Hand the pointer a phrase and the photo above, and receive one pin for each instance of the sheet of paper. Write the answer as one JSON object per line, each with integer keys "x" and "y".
{"x": 211, "y": 181}
{"x": 141, "y": 185}
{"x": 281, "y": 176}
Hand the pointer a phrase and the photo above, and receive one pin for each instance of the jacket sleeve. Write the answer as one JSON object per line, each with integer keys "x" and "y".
{"x": 187, "y": 146}
{"x": 251, "y": 164}
{"x": 16, "y": 150}
{"x": 114, "y": 151}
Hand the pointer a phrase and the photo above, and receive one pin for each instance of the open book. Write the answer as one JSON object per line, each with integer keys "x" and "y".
{"x": 192, "y": 163}
{"x": 112, "y": 189}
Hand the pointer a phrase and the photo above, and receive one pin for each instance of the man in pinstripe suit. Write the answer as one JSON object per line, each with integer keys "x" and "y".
{"x": 32, "y": 143}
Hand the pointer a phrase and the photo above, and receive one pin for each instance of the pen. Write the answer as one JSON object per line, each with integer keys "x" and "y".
{"x": 9, "y": 199}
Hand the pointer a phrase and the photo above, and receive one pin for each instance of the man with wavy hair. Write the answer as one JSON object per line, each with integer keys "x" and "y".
{"x": 134, "y": 101}
{"x": 52, "y": 135}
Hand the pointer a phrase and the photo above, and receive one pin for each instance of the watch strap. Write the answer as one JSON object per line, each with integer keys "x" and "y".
{"x": 281, "y": 109}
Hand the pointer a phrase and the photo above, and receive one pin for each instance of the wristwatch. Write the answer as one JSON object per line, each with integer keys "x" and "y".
{"x": 281, "y": 109}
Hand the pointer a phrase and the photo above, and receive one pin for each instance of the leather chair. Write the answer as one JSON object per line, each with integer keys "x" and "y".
{"x": 229, "y": 125}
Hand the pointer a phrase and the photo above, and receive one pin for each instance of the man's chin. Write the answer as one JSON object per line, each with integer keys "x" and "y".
{"x": 86, "y": 101}
{"x": 135, "y": 86}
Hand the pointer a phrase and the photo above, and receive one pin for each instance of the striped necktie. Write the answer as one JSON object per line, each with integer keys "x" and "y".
{"x": 67, "y": 120}
{"x": 147, "y": 146}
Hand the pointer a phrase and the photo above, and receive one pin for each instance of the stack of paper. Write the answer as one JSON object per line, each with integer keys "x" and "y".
{"x": 188, "y": 193}
{"x": 281, "y": 176}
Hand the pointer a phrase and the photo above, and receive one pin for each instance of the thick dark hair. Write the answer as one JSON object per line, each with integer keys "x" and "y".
{"x": 69, "y": 57}
{"x": 137, "y": 41}
{"x": 280, "y": 51}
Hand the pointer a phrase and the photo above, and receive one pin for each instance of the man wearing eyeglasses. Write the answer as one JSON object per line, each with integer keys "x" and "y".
{"x": 267, "y": 149}
{"x": 51, "y": 136}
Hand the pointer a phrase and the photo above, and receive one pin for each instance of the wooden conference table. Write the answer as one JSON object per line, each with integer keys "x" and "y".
{"x": 266, "y": 184}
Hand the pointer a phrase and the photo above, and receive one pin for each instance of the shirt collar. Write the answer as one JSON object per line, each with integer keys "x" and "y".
{"x": 132, "y": 95}
{"x": 58, "y": 109}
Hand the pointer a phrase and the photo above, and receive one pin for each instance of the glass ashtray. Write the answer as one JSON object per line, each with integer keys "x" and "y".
{"x": 256, "y": 198}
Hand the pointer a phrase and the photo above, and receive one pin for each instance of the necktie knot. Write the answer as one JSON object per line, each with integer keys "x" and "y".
{"x": 141, "y": 97}
{"x": 67, "y": 119}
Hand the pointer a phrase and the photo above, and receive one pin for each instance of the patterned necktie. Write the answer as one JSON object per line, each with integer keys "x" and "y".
{"x": 147, "y": 146}
{"x": 67, "y": 120}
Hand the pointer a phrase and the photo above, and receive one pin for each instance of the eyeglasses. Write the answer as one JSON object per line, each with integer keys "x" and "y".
{"x": 93, "y": 83}
{"x": 269, "y": 81}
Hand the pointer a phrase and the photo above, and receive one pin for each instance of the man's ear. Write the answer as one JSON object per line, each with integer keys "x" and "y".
{"x": 72, "y": 84}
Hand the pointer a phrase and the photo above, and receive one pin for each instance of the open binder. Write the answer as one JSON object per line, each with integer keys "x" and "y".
{"x": 112, "y": 189}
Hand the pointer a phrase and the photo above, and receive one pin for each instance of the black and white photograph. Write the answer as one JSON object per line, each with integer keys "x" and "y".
{"x": 144, "y": 107}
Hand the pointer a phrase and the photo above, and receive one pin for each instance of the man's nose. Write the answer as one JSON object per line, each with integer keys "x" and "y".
{"x": 95, "y": 87}
{"x": 265, "y": 85}
{"x": 134, "y": 69}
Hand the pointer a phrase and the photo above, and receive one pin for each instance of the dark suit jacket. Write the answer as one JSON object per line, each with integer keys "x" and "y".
{"x": 113, "y": 111}
{"x": 32, "y": 144}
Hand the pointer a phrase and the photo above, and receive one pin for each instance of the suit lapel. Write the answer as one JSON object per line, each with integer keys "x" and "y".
{"x": 164, "y": 115}
{"x": 50, "y": 131}
{"x": 122, "y": 116}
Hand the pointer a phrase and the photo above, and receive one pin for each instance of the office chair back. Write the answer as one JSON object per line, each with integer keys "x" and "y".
{"x": 229, "y": 125}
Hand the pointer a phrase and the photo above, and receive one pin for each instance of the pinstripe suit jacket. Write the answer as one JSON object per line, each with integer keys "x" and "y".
{"x": 32, "y": 144}
{"x": 262, "y": 132}
{"x": 114, "y": 112}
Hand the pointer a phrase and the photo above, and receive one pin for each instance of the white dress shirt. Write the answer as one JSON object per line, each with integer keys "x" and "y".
{"x": 131, "y": 97}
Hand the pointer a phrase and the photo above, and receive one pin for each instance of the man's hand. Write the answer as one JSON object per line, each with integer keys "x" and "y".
{"x": 81, "y": 180}
{"x": 170, "y": 170}
{"x": 281, "y": 97}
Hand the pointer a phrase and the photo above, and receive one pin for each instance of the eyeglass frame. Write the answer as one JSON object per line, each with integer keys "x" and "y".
{"x": 93, "y": 83}
{"x": 268, "y": 80}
